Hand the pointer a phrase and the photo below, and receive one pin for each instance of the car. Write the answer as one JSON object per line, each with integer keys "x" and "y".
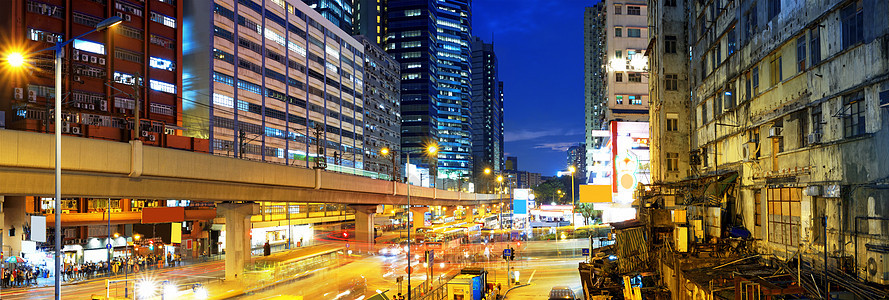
{"x": 391, "y": 250}
{"x": 561, "y": 293}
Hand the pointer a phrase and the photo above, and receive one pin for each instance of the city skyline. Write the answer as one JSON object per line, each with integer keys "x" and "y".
{"x": 540, "y": 49}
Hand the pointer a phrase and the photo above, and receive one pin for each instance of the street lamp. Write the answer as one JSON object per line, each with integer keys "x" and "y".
{"x": 430, "y": 150}
{"x": 572, "y": 169}
{"x": 17, "y": 60}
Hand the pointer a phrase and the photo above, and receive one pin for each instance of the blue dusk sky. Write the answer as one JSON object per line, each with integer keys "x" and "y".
{"x": 539, "y": 46}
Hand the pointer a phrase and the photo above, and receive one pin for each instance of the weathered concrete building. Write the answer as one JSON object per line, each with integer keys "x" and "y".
{"x": 788, "y": 126}
{"x": 669, "y": 114}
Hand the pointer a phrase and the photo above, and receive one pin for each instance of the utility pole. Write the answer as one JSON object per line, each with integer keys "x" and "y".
{"x": 242, "y": 143}
{"x": 137, "y": 110}
{"x": 320, "y": 159}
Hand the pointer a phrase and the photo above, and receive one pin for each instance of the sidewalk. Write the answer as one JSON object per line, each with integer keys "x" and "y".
{"x": 50, "y": 281}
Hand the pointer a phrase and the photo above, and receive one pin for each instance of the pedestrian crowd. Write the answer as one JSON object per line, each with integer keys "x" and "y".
{"x": 22, "y": 276}
{"x": 118, "y": 266}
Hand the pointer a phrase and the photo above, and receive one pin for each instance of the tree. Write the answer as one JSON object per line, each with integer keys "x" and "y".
{"x": 547, "y": 191}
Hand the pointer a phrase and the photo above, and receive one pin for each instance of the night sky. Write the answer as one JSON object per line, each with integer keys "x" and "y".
{"x": 539, "y": 46}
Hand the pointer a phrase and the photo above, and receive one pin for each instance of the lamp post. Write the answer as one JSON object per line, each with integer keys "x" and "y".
{"x": 18, "y": 59}
{"x": 572, "y": 169}
{"x": 429, "y": 151}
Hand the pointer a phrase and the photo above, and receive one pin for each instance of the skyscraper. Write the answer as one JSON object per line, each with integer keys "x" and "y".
{"x": 276, "y": 82}
{"x": 626, "y": 35}
{"x": 431, "y": 41}
{"x": 594, "y": 76}
{"x": 487, "y": 109}
{"x": 338, "y": 12}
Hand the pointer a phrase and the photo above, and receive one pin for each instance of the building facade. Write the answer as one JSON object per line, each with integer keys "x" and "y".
{"x": 788, "y": 119}
{"x": 577, "y": 158}
{"x": 431, "y": 41}
{"x": 669, "y": 113}
{"x": 281, "y": 84}
{"x": 340, "y": 13}
{"x": 107, "y": 75}
{"x": 487, "y": 109}
{"x": 626, "y": 40}
{"x": 382, "y": 113}
{"x": 595, "y": 76}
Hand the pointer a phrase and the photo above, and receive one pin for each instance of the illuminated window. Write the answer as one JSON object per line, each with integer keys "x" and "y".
{"x": 88, "y": 46}
{"x": 165, "y": 20}
{"x": 412, "y": 13}
{"x": 160, "y": 63}
{"x": 124, "y": 78}
{"x": 223, "y": 100}
{"x": 162, "y": 86}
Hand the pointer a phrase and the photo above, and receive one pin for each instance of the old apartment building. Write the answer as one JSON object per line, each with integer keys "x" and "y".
{"x": 785, "y": 105}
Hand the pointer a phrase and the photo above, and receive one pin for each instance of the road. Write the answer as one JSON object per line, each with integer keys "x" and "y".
{"x": 543, "y": 264}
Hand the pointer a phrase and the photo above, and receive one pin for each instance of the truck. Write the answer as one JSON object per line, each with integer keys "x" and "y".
{"x": 470, "y": 284}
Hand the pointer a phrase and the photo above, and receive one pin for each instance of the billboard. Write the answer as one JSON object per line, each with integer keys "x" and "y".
{"x": 620, "y": 165}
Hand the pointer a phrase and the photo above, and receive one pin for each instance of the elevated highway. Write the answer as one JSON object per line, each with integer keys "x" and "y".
{"x": 98, "y": 168}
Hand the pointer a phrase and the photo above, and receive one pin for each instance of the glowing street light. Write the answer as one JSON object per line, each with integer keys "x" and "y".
{"x": 15, "y": 59}
{"x": 430, "y": 150}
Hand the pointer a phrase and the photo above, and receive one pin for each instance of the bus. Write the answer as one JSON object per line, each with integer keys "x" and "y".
{"x": 292, "y": 264}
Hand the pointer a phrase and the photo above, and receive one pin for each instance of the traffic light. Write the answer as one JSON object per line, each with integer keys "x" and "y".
{"x": 512, "y": 254}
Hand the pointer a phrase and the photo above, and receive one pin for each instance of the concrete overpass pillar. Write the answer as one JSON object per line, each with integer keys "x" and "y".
{"x": 237, "y": 236}
{"x": 364, "y": 224}
{"x": 469, "y": 215}
{"x": 418, "y": 213}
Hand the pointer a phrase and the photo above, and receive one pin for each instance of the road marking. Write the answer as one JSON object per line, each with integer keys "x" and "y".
{"x": 532, "y": 276}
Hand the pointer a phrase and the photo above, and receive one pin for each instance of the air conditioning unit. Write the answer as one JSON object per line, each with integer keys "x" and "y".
{"x": 144, "y": 133}
{"x": 877, "y": 270}
{"x": 77, "y": 78}
{"x": 84, "y": 57}
{"x": 103, "y": 105}
{"x": 775, "y": 132}
{"x": 76, "y": 53}
{"x": 92, "y": 106}
{"x": 50, "y": 38}
{"x": 75, "y": 130}
{"x": 32, "y": 96}
{"x": 152, "y": 138}
{"x": 812, "y": 191}
{"x": 748, "y": 151}
{"x": 814, "y": 138}
{"x": 102, "y": 61}
{"x": 120, "y": 15}
{"x": 94, "y": 59}
{"x": 127, "y": 18}
{"x": 19, "y": 93}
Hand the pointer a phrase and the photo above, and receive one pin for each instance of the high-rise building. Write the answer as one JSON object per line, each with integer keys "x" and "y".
{"x": 368, "y": 19}
{"x": 276, "y": 82}
{"x": 339, "y": 12}
{"x": 577, "y": 158}
{"x": 626, "y": 39}
{"x": 487, "y": 109}
{"x": 594, "y": 77}
{"x": 382, "y": 109}
{"x": 107, "y": 75}
{"x": 431, "y": 41}
{"x": 512, "y": 163}
{"x": 669, "y": 109}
